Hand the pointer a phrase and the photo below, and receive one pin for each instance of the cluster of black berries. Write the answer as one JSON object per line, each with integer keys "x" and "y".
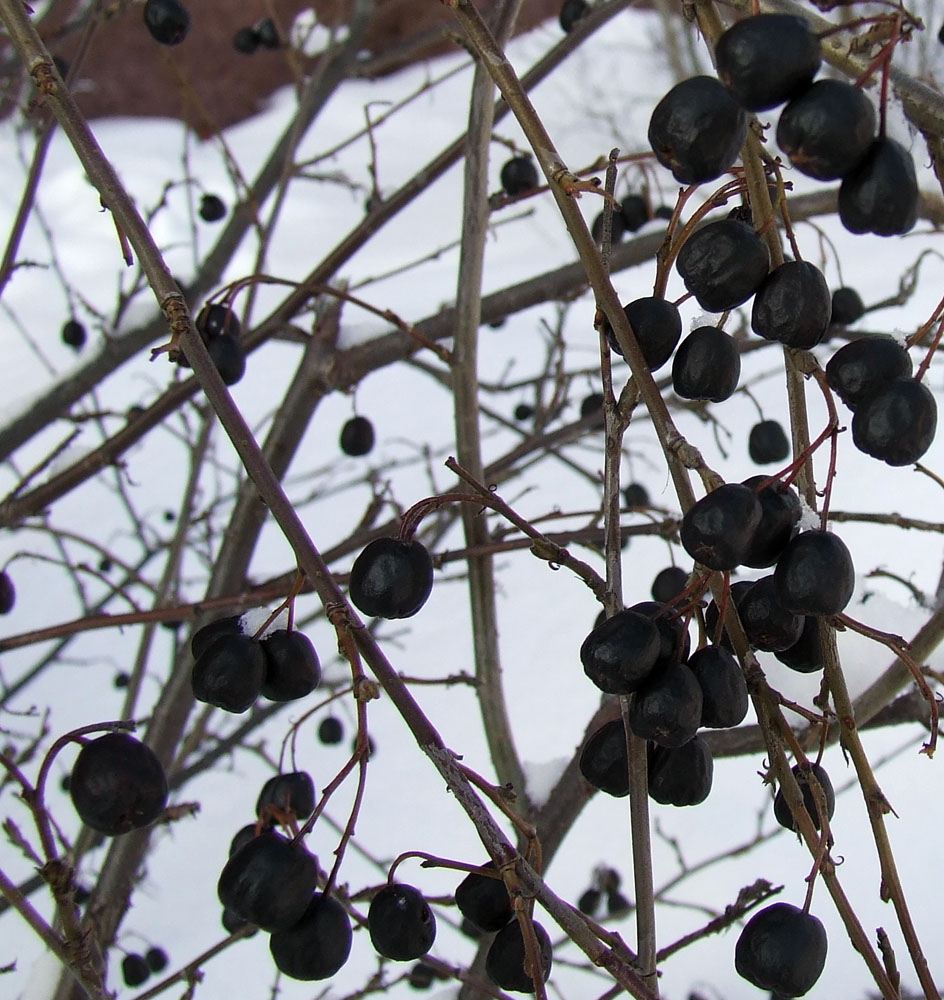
{"x": 220, "y": 331}
{"x": 270, "y": 882}
{"x": 633, "y": 213}
{"x": 894, "y": 414}
{"x": 484, "y": 902}
{"x": 232, "y": 669}
{"x": 827, "y": 128}
{"x": 262, "y": 34}
{"x": 137, "y": 969}
{"x": 606, "y": 885}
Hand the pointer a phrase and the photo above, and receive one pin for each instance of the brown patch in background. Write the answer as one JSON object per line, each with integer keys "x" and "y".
{"x": 205, "y": 82}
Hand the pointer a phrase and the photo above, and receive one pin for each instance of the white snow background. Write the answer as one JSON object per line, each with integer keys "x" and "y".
{"x": 600, "y": 98}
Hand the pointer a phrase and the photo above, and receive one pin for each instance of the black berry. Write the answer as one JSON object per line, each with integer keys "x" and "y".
{"x": 357, "y": 436}
{"x": 168, "y": 21}
{"x": 391, "y": 578}
{"x": 519, "y": 176}
{"x": 400, "y": 922}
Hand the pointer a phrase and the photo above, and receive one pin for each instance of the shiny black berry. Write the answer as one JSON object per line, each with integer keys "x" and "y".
{"x": 134, "y": 969}
{"x": 73, "y": 334}
{"x": 571, "y": 12}
{"x": 657, "y": 325}
{"x": 717, "y": 530}
{"x": 269, "y": 882}
{"x": 229, "y": 673}
{"x": 680, "y": 776}
{"x": 117, "y": 784}
{"x": 292, "y": 669}
{"x": 7, "y": 593}
{"x": 667, "y": 707}
{"x": 767, "y": 624}
{"x": 635, "y": 212}
{"x": 228, "y": 356}
{"x": 484, "y": 900}
{"x": 357, "y": 436}
{"x": 156, "y": 959}
{"x": 168, "y": 21}
{"x": 619, "y": 654}
{"x": 519, "y": 175}
{"x": 793, "y": 305}
{"x": 723, "y": 264}
{"x": 724, "y": 698}
{"x": 767, "y": 442}
{"x": 780, "y": 513}
{"x": 814, "y": 574}
{"x": 318, "y": 945}
{"x": 212, "y": 208}
{"x": 767, "y": 59}
{"x": 827, "y": 130}
{"x": 707, "y": 365}
{"x": 803, "y": 775}
{"x": 604, "y": 760}
{"x": 898, "y": 423}
{"x": 331, "y": 731}
{"x": 697, "y": 130}
{"x": 505, "y": 961}
{"x": 400, "y": 922}
{"x": 669, "y": 583}
{"x": 292, "y": 794}
{"x": 781, "y": 949}
{"x": 204, "y": 637}
{"x": 805, "y": 656}
{"x": 391, "y": 578}
{"x": 881, "y": 194}
{"x": 863, "y": 367}
{"x": 847, "y": 306}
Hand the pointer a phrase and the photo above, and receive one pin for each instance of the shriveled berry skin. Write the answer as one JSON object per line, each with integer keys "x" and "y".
{"x": 881, "y": 194}
{"x": 657, "y": 325}
{"x": 717, "y": 530}
{"x": 293, "y": 792}
{"x": 707, "y": 365}
{"x": 805, "y": 656}
{"x": 292, "y": 669}
{"x": 391, "y": 578}
{"x": 898, "y": 423}
{"x": 269, "y": 882}
{"x": 767, "y": 442}
{"x": 782, "y": 811}
{"x": 168, "y": 21}
{"x": 504, "y": 963}
{"x": 318, "y": 945}
{"x": 767, "y": 624}
{"x": 847, "y": 306}
{"x": 767, "y": 59}
{"x": 484, "y": 900}
{"x": 793, "y": 305}
{"x": 117, "y": 784}
{"x": 357, "y": 436}
{"x": 401, "y": 924}
{"x": 604, "y": 760}
{"x": 723, "y": 264}
{"x": 781, "y": 949}
{"x": 619, "y": 654}
{"x": 519, "y": 175}
{"x": 723, "y": 688}
{"x": 827, "y": 130}
{"x": 680, "y": 776}
{"x": 814, "y": 574}
{"x": 712, "y": 613}
{"x": 229, "y": 674}
{"x": 862, "y": 367}
{"x": 697, "y": 130}
{"x": 780, "y": 512}
{"x": 667, "y": 708}
{"x": 675, "y": 641}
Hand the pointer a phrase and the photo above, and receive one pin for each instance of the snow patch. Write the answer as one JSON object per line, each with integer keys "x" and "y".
{"x": 541, "y": 778}
{"x": 252, "y": 620}
{"x": 809, "y": 519}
